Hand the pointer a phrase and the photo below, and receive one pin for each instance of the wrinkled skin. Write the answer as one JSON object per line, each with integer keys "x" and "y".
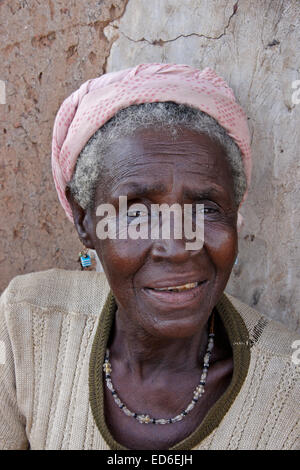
{"x": 157, "y": 346}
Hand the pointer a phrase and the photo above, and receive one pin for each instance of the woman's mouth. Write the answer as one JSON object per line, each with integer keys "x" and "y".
{"x": 178, "y": 295}
{"x": 188, "y": 286}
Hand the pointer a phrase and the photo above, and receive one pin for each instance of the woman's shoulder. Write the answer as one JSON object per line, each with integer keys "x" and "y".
{"x": 266, "y": 333}
{"x": 60, "y": 289}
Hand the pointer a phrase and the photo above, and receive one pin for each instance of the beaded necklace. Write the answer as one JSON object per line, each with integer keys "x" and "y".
{"x": 198, "y": 392}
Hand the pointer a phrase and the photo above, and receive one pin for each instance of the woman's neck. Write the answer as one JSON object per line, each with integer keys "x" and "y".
{"x": 144, "y": 354}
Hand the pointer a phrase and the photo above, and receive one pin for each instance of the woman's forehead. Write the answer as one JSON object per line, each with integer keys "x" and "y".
{"x": 157, "y": 141}
{"x": 153, "y": 161}
{"x": 151, "y": 147}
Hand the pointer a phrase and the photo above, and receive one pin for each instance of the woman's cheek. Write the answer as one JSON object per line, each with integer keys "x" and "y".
{"x": 221, "y": 243}
{"x": 123, "y": 258}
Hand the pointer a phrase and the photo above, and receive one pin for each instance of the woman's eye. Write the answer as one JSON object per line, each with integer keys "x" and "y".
{"x": 133, "y": 213}
{"x": 137, "y": 214}
{"x": 207, "y": 210}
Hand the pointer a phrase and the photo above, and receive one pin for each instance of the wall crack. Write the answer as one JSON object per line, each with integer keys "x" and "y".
{"x": 161, "y": 42}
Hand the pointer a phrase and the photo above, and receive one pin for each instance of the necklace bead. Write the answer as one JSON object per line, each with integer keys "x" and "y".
{"x": 198, "y": 392}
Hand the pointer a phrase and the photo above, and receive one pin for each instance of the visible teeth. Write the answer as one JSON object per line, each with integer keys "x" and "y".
{"x": 189, "y": 285}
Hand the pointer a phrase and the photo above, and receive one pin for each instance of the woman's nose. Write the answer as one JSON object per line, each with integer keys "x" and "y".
{"x": 172, "y": 244}
{"x": 170, "y": 250}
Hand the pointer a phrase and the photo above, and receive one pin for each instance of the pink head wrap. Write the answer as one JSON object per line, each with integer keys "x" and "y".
{"x": 99, "y": 99}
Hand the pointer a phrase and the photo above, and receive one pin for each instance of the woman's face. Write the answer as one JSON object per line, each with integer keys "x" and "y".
{"x": 154, "y": 167}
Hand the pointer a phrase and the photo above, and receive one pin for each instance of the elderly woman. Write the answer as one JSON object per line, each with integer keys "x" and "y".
{"x": 150, "y": 354}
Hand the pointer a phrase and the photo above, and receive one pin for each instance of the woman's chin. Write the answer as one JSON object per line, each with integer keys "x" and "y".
{"x": 180, "y": 324}
{"x": 176, "y": 327}
{"x": 175, "y": 314}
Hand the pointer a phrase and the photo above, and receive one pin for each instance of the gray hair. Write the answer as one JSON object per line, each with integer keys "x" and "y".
{"x": 125, "y": 122}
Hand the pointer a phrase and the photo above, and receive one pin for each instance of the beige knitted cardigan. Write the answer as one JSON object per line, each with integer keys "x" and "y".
{"x": 48, "y": 323}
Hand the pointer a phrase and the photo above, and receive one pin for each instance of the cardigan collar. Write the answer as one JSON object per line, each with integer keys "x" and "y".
{"x": 239, "y": 340}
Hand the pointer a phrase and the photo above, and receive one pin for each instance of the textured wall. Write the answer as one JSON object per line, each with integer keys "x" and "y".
{"x": 49, "y": 50}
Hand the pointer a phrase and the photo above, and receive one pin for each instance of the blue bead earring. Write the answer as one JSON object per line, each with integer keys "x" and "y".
{"x": 236, "y": 260}
{"x": 85, "y": 259}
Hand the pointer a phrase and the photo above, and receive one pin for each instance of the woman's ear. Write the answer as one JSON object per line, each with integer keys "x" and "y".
{"x": 82, "y": 221}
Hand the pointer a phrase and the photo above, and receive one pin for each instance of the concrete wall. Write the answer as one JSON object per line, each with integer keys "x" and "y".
{"x": 49, "y": 50}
